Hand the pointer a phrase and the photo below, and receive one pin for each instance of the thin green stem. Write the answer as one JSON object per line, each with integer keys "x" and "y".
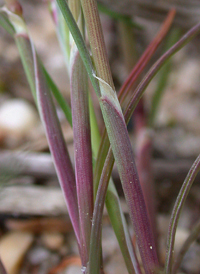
{"x": 79, "y": 42}
{"x": 96, "y": 40}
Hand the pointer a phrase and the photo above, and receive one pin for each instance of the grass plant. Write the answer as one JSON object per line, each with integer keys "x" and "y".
{"x": 88, "y": 186}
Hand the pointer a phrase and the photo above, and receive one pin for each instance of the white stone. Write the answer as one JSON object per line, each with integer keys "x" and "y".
{"x": 17, "y": 117}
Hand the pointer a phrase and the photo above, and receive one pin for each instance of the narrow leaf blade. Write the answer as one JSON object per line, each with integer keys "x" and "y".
{"x": 82, "y": 148}
{"x": 124, "y": 158}
{"x": 57, "y": 145}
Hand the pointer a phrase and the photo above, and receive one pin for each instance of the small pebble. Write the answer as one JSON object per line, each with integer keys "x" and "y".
{"x": 17, "y": 117}
{"x": 37, "y": 255}
{"x": 52, "y": 240}
{"x": 73, "y": 269}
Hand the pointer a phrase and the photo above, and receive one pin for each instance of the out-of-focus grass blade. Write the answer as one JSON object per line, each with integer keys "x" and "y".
{"x": 163, "y": 77}
{"x": 5, "y": 23}
{"x": 145, "y": 58}
{"x": 118, "y": 16}
{"x": 24, "y": 46}
{"x": 57, "y": 144}
{"x": 139, "y": 91}
{"x": 62, "y": 31}
{"x": 180, "y": 201}
{"x": 23, "y": 43}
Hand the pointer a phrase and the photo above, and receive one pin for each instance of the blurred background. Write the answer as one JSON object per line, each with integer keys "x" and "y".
{"x": 33, "y": 222}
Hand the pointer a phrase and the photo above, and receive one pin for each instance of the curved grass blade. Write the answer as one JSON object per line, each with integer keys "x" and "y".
{"x": 177, "y": 211}
{"x": 57, "y": 145}
{"x": 139, "y": 91}
{"x": 145, "y": 58}
{"x": 192, "y": 237}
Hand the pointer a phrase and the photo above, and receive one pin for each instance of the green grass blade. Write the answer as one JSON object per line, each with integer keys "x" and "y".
{"x": 121, "y": 230}
{"x": 118, "y": 16}
{"x": 5, "y": 23}
{"x": 79, "y": 42}
{"x": 24, "y": 47}
{"x": 62, "y": 31}
{"x": 95, "y": 134}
